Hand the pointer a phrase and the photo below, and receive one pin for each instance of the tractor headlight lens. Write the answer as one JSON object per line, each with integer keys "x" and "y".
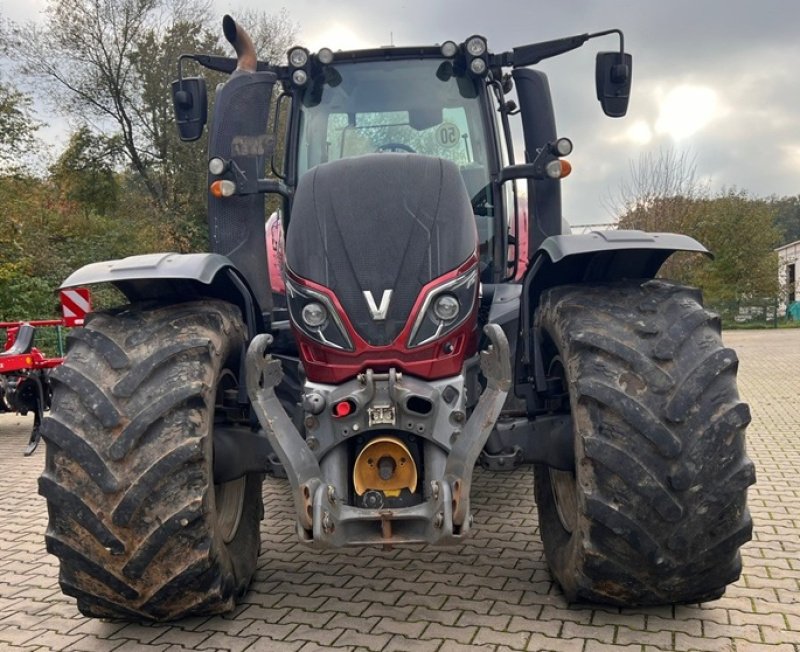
{"x": 299, "y": 77}
{"x": 314, "y": 314}
{"x": 446, "y": 307}
{"x": 564, "y": 147}
{"x": 477, "y": 66}
{"x": 298, "y": 57}
{"x": 449, "y": 49}
{"x": 325, "y": 56}
{"x": 217, "y": 166}
{"x": 476, "y": 46}
{"x": 554, "y": 169}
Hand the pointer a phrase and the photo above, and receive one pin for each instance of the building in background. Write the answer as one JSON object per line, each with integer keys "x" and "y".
{"x": 788, "y": 265}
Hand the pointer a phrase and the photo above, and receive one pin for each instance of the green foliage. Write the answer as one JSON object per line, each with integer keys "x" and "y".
{"x": 787, "y": 218}
{"x": 23, "y": 295}
{"x": 17, "y": 126}
{"x": 740, "y": 232}
{"x": 736, "y": 228}
{"x": 84, "y": 173}
{"x": 44, "y": 238}
{"x": 124, "y": 184}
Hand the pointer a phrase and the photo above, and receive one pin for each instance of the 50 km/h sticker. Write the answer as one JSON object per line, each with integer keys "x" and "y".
{"x": 447, "y": 134}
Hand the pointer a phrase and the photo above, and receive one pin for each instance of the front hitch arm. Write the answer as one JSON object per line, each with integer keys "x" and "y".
{"x": 263, "y": 374}
{"x": 496, "y": 368}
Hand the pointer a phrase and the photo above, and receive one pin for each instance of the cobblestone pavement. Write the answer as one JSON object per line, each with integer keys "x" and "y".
{"x": 491, "y": 594}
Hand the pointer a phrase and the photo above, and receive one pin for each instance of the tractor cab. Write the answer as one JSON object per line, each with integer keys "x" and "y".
{"x": 449, "y": 101}
{"x": 407, "y": 104}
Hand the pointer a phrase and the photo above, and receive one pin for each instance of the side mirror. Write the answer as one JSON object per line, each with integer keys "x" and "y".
{"x": 190, "y": 102}
{"x": 613, "y": 71}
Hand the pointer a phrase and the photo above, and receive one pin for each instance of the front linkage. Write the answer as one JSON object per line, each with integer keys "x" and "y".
{"x": 323, "y": 517}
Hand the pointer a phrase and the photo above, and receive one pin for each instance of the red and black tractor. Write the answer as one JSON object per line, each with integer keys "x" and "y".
{"x": 428, "y": 311}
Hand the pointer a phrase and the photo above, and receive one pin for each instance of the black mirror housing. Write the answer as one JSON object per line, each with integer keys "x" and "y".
{"x": 613, "y": 73}
{"x": 190, "y": 101}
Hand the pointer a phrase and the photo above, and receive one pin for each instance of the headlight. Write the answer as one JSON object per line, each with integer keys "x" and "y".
{"x": 476, "y": 46}
{"x": 445, "y": 308}
{"x": 299, "y": 77}
{"x": 449, "y": 49}
{"x": 313, "y": 313}
{"x": 298, "y": 57}
{"x": 477, "y": 66}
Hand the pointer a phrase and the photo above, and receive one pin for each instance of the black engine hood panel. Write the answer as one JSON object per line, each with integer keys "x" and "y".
{"x": 377, "y": 223}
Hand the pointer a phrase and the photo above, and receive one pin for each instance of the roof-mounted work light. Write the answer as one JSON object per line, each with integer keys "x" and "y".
{"x": 477, "y": 55}
{"x": 298, "y": 65}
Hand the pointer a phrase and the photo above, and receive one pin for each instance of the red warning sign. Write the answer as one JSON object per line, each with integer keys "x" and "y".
{"x": 75, "y": 303}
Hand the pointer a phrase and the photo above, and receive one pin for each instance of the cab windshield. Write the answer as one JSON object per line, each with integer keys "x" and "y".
{"x": 420, "y": 105}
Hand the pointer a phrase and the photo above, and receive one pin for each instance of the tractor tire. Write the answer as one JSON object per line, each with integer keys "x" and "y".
{"x": 139, "y": 527}
{"x": 655, "y": 511}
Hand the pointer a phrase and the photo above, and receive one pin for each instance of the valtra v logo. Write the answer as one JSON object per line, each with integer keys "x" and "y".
{"x": 378, "y": 312}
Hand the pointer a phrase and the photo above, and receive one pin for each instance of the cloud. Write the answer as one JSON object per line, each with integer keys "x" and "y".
{"x": 716, "y": 77}
{"x": 685, "y": 110}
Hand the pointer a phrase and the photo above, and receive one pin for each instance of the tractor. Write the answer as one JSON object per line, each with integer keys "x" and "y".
{"x": 427, "y": 311}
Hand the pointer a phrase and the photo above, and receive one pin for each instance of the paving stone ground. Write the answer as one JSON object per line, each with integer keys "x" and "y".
{"x": 493, "y": 593}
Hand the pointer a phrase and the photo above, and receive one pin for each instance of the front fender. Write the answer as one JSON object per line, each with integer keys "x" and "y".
{"x": 172, "y": 276}
{"x": 597, "y": 257}
{"x": 656, "y": 247}
{"x": 600, "y": 256}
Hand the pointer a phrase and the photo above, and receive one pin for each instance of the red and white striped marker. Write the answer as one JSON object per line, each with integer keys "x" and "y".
{"x": 75, "y": 303}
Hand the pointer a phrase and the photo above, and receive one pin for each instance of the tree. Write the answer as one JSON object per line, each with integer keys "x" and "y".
{"x": 84, "y": 173}
{"x": 272, "y": 34}
{"x": 17, "y": 126}
{"x": 787, "y": 218}
{"x": 740, "y": 231}
{"x": 108, "y": 64}
{"x": 86, "y": 55}
{"x": 663, "y": 195}
{"x": 659, "y": 192}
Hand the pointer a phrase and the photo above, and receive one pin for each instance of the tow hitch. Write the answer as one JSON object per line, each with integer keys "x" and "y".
{"x": 324, "y": 518}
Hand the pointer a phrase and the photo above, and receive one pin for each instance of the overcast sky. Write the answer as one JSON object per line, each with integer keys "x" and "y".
{"x": 717, "y": 78}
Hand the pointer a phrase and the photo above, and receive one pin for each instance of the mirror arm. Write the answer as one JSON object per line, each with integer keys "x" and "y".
{"x": 620, "y": 73}
{"x": 613, "y": 31}
{"x": 527, "y": 55}
{"x": 534, "y": 170}
{"x": 184, "y": 98}
{"x": 519, "y": 171}
{"x": 273, "y": 186}
{"x": 246, "y": 186}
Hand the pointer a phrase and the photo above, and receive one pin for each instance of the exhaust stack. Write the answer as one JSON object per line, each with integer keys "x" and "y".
{"x": 242, "y": 43}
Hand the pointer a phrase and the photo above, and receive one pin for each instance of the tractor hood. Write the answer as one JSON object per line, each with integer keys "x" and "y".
{"x": 375, "y": 230}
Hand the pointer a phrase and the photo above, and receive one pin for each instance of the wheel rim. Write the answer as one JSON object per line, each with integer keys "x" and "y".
{"x": 228, "y": 496}
{"x": 564, "y": 483}
{"x": 565, "y": 496}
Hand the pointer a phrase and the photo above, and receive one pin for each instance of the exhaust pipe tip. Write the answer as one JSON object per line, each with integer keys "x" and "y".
{"x": 242, "y": 43}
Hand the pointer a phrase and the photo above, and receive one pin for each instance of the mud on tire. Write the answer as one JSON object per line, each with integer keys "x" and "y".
{"x": 135, "y": 519}
{"x": 656, "y": 511}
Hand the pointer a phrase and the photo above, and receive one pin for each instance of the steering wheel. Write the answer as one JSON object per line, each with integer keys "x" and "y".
{"x": 395, "y": 147}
